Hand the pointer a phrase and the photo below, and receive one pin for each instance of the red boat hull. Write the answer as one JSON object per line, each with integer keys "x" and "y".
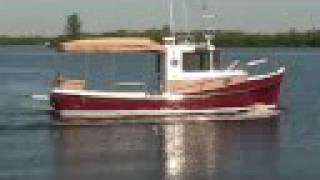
{"x": 265, "y": 91}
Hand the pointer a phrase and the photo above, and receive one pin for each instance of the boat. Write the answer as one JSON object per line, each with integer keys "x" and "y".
{"x": 202, "y": 88}
{"x": 210, "y": 90}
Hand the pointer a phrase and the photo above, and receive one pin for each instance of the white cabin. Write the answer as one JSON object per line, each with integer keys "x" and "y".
{"x": 192, "y": 68}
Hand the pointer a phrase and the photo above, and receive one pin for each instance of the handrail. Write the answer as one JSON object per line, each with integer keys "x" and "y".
{"x": 129, "y": 84}
{"x": 142, "y": 84}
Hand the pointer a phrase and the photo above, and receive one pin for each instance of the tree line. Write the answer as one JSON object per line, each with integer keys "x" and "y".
{"x": 292, "y": 38}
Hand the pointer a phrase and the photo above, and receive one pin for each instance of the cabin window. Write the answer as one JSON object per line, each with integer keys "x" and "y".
{"x": 196, "y": 61}
{"x": 200, "y": 61}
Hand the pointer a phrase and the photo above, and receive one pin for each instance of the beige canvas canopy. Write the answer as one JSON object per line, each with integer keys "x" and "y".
{"x": 113, "y": 45}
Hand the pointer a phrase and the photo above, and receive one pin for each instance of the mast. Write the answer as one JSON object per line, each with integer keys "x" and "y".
{"x": 209, "y": 36}
{"x": 172, "y": 24}
{"x": 186, "y": 19}
{"x": 209, "y": 30}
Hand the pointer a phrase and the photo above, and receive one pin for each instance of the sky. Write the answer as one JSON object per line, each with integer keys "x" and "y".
{"x": 47, "y": 17}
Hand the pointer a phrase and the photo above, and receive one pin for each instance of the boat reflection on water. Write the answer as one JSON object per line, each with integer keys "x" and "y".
{"x": 169, "y": 150}
{"x": 221, "y": 150}
{"x": 188, "y": 150}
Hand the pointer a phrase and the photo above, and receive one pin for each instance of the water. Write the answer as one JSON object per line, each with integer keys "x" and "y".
{"x": 33, "y": 146}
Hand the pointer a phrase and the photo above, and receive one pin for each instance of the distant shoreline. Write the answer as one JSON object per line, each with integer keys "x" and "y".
{"x": 24, "y": 40}
{"x": 223, "y": 38}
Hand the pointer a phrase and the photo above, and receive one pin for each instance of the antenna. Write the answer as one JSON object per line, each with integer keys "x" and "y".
{"x": 207, "y": 23}
{"x": 186, "y": 16}
{"x": 172, "y": 25}
{"x": 209, "y": 31}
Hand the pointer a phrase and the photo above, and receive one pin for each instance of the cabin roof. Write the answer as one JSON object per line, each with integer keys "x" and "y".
{"x": 112, "y": 45}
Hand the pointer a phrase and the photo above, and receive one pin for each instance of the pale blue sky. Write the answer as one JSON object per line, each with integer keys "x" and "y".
{"x": 46, "y": 17}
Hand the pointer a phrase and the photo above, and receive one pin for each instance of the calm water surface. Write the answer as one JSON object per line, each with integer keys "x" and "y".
{"x": 34, "y": 146}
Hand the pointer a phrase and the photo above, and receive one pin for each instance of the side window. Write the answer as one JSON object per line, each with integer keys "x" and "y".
{"x": 196, "y": 61}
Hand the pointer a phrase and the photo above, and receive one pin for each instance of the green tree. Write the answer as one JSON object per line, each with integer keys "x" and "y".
{"x": 73, "y": 26}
